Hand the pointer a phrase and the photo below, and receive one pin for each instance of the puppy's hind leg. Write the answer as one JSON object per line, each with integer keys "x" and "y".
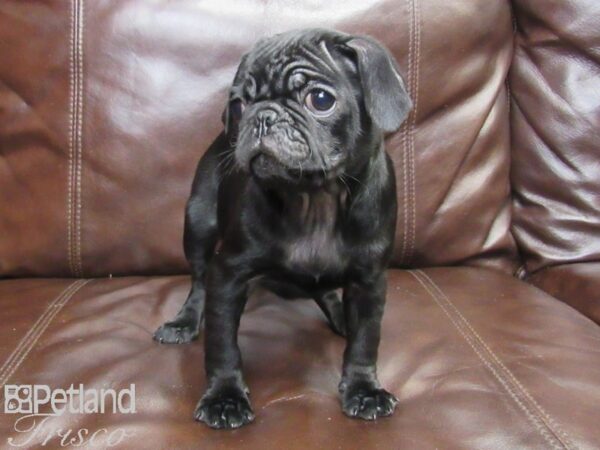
{"x": 199, "y": 240}
{"x": 332, "y": 307}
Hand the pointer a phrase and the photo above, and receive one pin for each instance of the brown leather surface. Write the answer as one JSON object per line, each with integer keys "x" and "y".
{"x": 576, "y": 284}
{"x": 109, "y": 105}
{"x": 105, "y": 108}
{"x": 555, "y": 125}
{"x": 34, "y": 137}
{"x": 23, "y": 303}
{"x": 477, "y": 359}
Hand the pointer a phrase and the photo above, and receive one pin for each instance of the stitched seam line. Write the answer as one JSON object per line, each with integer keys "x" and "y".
{"x": 33, "y": 329}
{"x": 472, "y": 343}
{"x": 17, "y": 357}
{"x": 547, "y": 419}
{"x": 411, "y": 162}
{"x": 36, "y": 331}
{"x": 406, "y": 137}
{"x": 80, "y": 29}
{"x": 74, "y": 196}
{"x": 514, "y": 388}
{"x": 72, "y": 101}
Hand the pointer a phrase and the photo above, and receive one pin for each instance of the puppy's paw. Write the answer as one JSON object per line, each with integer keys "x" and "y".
{"x": 367, "y": 402}
{"x": 224, "y": 409}
{"x": 179, "y": 331}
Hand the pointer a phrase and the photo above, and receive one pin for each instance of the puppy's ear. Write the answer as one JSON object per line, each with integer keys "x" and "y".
{"x": 225, "y": 118}
{"x": 386, "y": 98}
{"x": 237, "y": 79}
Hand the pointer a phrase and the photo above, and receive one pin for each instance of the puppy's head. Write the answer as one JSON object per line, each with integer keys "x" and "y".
{"x": 308, "y": 106}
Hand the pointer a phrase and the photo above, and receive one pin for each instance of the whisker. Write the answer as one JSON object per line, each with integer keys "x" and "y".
{"x": 226, "y": 165}
{"x": 353, "y": 178}
{"x": 225, "y": 158}
{"x": 341, "y": 178}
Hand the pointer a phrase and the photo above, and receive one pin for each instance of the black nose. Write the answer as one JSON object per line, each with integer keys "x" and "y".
{"x": 264, "y": 120}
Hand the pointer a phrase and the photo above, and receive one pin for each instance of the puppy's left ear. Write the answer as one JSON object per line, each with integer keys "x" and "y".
{"x": 386, "y": 98}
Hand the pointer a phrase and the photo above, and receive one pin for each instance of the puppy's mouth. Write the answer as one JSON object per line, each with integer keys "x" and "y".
{"x": 284, "y": 157}
{"x": 268, "y": 168}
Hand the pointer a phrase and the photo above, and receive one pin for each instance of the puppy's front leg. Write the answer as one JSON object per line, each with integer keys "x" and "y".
{"x": 225, "y": 403}
{"x": 362, "y": 395}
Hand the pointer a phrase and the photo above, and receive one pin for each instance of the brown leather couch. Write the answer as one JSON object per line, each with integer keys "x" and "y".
{"x": 489, "y": 339}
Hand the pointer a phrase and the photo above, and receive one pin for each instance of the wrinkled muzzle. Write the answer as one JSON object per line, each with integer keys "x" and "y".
{"x": 267, "y": 132}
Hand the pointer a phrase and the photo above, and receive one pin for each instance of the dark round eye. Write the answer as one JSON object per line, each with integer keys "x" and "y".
{"x": 236, "y": 108}
{"x": 320, "y": 102}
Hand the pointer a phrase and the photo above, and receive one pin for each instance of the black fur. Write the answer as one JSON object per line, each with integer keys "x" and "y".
{"x": 303, "y": 203}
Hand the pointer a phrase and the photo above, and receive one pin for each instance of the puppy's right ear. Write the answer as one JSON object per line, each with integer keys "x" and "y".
{"x": 386, "y": 98}
{"x": 226, "y": 117}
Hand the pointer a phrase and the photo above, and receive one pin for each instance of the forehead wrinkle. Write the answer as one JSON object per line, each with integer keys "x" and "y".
{"x": 303, "y": 60}
{"x": 323, "y": 47}
{"x": 268, "y": 54}
{"x": 268, "y": 46}
{"x": 324, "y": 67}
{"x": 313, "y": 74}
{"x": 305, "y": 68}
{"x": 275, "y": 60}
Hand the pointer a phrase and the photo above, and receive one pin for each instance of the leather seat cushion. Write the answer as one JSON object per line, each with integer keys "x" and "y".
{"x": 476, "y": 358}
{"x": 577, "y": 284}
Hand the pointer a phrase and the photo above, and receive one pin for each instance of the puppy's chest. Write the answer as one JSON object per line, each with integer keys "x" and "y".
{"x": 315, "y": 253}
{"x": 315, "y": 246}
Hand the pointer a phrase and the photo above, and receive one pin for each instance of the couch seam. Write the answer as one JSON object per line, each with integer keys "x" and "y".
{"x": 406, "y": 135}
{"x": 81, "y": 25}
{"x": 408, "y": 141}
{"x": 545, "y": 425}
{"x": 550, "y": 422}
{"x": 32, "y": 329}
{"x": 75, "y": 157}
{"x": 24, "y": 347}
{"x": 412, "y": 188}
{"x": 72, "y": 94}
{"x": 405, "y": 139}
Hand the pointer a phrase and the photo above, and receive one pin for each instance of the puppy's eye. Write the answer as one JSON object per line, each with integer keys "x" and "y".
{"x": 320, "y": 102}
{"x": 236, "y": 108}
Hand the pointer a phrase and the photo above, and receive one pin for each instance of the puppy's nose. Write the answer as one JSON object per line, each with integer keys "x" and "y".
{"x": 264, "y": 120}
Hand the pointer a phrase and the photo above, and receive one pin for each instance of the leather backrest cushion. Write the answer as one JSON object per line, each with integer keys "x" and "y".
{"x": 105, "y": 108}
{"x": 555, "y": 120}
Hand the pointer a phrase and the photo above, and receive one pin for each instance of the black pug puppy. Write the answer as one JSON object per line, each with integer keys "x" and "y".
{"x": 301, "y": 194}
